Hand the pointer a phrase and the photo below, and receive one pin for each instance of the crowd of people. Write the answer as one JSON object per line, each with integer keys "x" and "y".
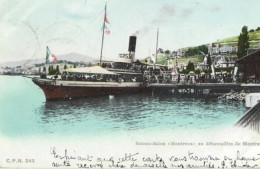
{"x": 149, "y": 75}
{"x": 93, "y": 78}
{"x": 193, "y": 78}
{"x": 100, "y": 77}
{"x": 124, "y": 67}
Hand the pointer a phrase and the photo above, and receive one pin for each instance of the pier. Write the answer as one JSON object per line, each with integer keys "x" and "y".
{"x": 202, "y": 88}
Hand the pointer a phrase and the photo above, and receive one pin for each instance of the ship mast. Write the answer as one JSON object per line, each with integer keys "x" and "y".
{"x": 156, "y": 46}
{"x": 103, "y": 29}
{"x": 176, "y": 60}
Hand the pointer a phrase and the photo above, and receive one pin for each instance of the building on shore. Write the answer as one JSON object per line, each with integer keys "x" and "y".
{"x": 214, "y": 49}
{"x": 251, "y": 67}
{"x": 179, "y": 53}
{"x": 223, "y": 61}
{"x": 222, "y": 56}
{"x": 219, "y": 61}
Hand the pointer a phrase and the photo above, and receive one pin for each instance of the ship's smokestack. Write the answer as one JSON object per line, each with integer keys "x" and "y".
{"x": 131, "y": 48}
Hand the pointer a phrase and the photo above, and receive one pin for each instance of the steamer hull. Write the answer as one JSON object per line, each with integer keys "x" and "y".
{"x": 59, "y": 89}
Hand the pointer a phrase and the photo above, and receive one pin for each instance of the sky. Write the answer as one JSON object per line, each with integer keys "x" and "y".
{"x": 66, "y": 26}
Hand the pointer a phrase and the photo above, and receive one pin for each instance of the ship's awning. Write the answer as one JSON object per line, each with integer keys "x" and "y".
{"x": 90, "y": 70}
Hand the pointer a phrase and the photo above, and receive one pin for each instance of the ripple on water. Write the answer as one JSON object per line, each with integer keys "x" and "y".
{"x": 134, "y": 113}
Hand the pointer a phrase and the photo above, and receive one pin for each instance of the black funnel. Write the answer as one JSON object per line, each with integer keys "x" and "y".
{"x": 132, "y": 44}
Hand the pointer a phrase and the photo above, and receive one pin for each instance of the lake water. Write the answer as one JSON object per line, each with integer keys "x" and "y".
{"x": 24, "y": 112}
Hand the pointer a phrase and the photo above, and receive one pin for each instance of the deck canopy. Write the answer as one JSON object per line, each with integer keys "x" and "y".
{"x": 90, "y": 70}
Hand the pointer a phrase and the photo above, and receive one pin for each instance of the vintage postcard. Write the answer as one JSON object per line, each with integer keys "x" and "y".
{"x": 129, "y": 84}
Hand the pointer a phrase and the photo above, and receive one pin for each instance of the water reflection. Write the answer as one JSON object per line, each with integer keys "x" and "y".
{"x": 24, "y": 112}
{"x": 135, "y": 112}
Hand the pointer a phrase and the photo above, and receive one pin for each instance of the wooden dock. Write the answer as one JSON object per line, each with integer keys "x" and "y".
{"x": 200, "y": 88}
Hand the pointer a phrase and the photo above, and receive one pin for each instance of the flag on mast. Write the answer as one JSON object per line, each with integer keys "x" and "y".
{"x": 107, "y": 31}
{"x": 50, "y": 57}
{"x": 104, "y": 30}
{"x": 106, "y": 20}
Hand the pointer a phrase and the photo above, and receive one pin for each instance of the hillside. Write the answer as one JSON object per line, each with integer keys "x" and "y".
{"x": 162, "y": 59}
{"x": 254, "y": 40}
{"x": 194, "y": 59}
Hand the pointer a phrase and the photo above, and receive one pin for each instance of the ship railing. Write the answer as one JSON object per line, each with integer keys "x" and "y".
{"x": 124, "y": 70}
{"x": 44, "y": 82}
{"x": 191, "y": 80}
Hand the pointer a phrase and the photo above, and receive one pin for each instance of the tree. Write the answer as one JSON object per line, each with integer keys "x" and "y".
{"x": 49, "y": 69}
{"x": 243, "y": 43}
{"x": 65, "y": 67}
{"x": 251, "y": 30}
{"x": 190, "y": 66}
{"x": 257, "y": 29}
{"x": 167, "y": 52}
{"x": 74, "y": 66}
{"x": 203, "y": 48}
{"x": 160, "y": 50}
{"x": 52, "y": 71}
{"x": 192, "y": 51}
{"x": 57, "y": 71}
{"x": 209, "y": 61}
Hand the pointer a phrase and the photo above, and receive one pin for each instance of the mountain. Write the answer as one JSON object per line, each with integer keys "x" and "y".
{"x": 75, "y": 57}
{"x": 72, "y": 57}
{"x": 23, "y": 63}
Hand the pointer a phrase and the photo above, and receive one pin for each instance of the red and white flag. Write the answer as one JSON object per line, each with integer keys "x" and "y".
{"x": 106, "y": 20}
{"x": 107, "y": 31}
